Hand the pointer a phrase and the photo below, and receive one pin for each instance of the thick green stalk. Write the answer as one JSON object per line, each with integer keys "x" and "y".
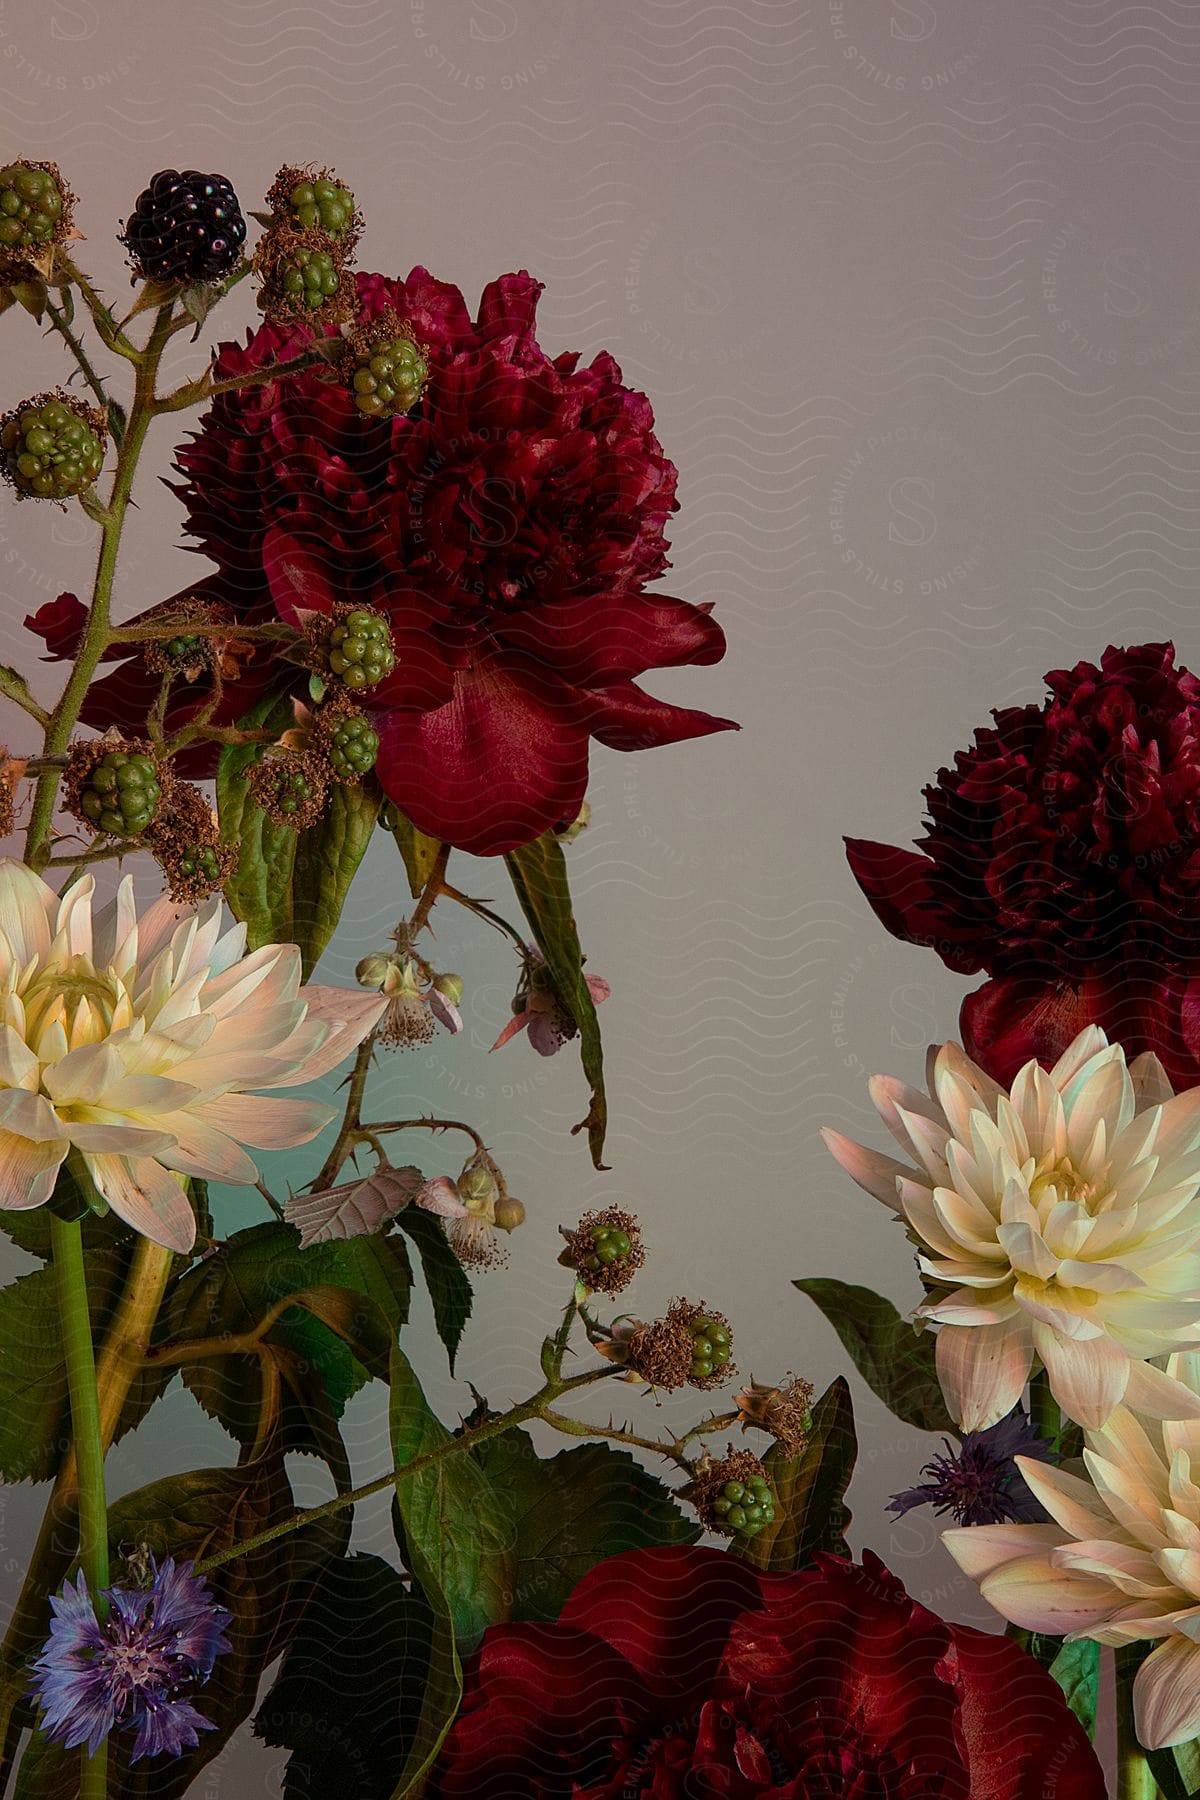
{"x": 66, "y": 1239}
{"x": 1134, "y": 1779}
{"x": 95, "y": 638}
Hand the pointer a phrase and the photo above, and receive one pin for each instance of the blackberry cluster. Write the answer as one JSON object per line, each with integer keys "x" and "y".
{"x": 116, "y": 791}
{"x": 185, "y": 227}
{"x": 733, "y": 1496}
{"x": 712, "y": 1346}
{"x": 359, "y": 649}
{"x": 35, "y": 207}
{"x": 323, "y": 204}
{"x": 185, "y": 839}
{"x": 53, "y": 447}
{"x": 746, "y": 1506}
{"x": 389, "y": 378}
{"x": 311, "y": 278}
{"x": 291, "y": 789}
{"x": 303, "y": 261}
{"x": 605, "y": 1250}
{"x": 350, "y": 744}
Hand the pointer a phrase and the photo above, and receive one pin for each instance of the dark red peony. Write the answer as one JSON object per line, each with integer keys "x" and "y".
{"x": 680, "y": 1672}
{"x": 1062, "y": 855}
{"x": 508, "y": 527}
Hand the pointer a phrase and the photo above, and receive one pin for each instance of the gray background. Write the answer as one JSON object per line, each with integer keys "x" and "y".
{"x": 912, "y": 287}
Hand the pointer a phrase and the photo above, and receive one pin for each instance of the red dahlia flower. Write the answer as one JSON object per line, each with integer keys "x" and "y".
{"x": 681, "y": 1671}
{"x": 1062, "y": 856}
{"x": 507, "y": 527}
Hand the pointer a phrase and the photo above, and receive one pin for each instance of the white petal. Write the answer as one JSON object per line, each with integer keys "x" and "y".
{"x": 146, "y": 1197}
{"x": 30, "y": 1116}
{"x": 980, "y": 1549}
{"x": 1166, "y": 1695}
{"x": 1157, "y": 1396}
{"x": 1031, "y": 1592}
{"x": 1087, "y": 1378}
{"x": 28, "y": 1171}
{"x": 350, "y": 1015}
{"x": 1071, "y": 1502}
{"x": 1026, "y": 1251}
{"x": 27, "y": 908}
{"x": 1151, "y": 1084}
{"x": 875, "y": 1173}
{"x": 266, "y": 1124}
{"x": 982, "y": 1370}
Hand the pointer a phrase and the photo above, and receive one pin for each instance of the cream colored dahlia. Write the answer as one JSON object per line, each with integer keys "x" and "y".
{"x": 1120, "y": 1560}
{"x": 132, "y": 1042}
{"x": 1058, "y": 1225}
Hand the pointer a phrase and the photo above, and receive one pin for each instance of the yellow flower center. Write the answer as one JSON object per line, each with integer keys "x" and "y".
{"x": 1058, "y": 1178}
{"x": 87, "y": 1003}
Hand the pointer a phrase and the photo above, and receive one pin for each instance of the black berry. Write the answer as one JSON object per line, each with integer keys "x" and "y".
{"x": 185, "y": 227}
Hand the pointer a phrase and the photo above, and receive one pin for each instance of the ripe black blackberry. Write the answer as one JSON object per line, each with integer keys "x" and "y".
{"x": 185, "y": 227}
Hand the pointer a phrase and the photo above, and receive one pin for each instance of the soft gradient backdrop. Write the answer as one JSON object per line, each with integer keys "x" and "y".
{"x": 913, "y": 289}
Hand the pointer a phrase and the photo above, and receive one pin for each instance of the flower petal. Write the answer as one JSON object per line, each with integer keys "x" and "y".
{"x": 1166, "y": 1695}
{"x": 983, "y": 1370}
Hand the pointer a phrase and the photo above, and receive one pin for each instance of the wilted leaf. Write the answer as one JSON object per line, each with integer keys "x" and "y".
{"x": 419, "y": 852}
{"x": 353, "y": 1208}
{"x": 539, "y": 877}
{"x": 895, "y": 1361}
{"x": 810, "y": 1509}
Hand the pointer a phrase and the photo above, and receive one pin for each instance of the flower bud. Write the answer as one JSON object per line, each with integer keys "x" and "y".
{"x": 451, "y": 987}
{"x": 509, "y": 1213}
{"x": 373, "y": 970}
{"x": 477, "y": 1188}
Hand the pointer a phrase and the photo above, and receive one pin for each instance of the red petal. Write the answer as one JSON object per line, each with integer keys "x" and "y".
{"x": 625, "y": 718}
{"x": 669, "y": 1612}
{"x": 60, "y": 622}
{"x": 1013, "y": 1018}
{"x": 508, "y": 306}
{"x": 896, "y": 883}
{"x": 298, "y": 575}
{"x": 502, "y": 762}
{"x": 1021, "y": 1741}
{"x": 609, "y": 637}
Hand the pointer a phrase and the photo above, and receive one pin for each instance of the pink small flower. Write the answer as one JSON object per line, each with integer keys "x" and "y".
{"x": 537, "y": 1007}
{"x": 440, "y": 1195}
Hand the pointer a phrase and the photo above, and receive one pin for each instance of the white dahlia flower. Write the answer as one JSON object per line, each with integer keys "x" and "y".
{"x": 1120, "y": 1560}
{"x": 1059, "y": 1225}
{"x": 131, "y": 1042}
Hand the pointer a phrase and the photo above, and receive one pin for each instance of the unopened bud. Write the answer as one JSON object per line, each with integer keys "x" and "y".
{"x": 451, "y": 987}
{"x": 477, "y": 1188}
{"x": 372, "y": 971}
{"x": 510, "y": 1212}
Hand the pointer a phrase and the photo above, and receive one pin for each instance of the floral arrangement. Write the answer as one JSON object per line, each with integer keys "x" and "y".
{"x": 432, "y": 546}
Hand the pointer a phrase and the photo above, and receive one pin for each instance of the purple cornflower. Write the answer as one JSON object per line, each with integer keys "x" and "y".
{"x": 130, "y": 1669}
{"x": 978, "y": 1481}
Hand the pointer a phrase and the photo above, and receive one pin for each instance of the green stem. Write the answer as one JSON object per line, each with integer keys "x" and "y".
{"x": 533, "y": 1408}
{"x": 1044, "y": 1411}
{"x": 95, "y": 638}
{"x": 67, "y": 1244}
{"x": 1134, "y": 1778}
{"x": 74, "y": 344}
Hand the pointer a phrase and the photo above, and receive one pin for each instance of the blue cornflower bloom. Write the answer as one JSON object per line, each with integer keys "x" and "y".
{"x": 978, "y": 1481}
{"x": 132, "y": 1668}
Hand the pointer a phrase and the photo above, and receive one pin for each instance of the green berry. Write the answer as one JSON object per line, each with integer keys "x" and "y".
{"x": 31, "y": 206}
{"x": 360, "y": 650}
{"x": 389, "y": 379}
{"x": 51, "y": 451}
{"x": 353, "y": 747}
{"x": 179, "y": 647}
{"x": 737, "y": 1517}
{"x": 291, "y": 790}
{"x": 202, "y": 861}
{"x": 322, "y": 203}
{"x": 121, "y": 793}
{"x": 312, "y": 277}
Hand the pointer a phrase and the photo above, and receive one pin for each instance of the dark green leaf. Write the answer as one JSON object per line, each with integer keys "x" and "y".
{"x": 810, "y": 1509}
{"x": 445, "y": 1277}
{"x": 327, "y": 858}
{"x": 573, "y": 1510}
{"x": 456, "y": 1524}
{"x": 35, "y": 1426}
{"x": 896, "y": 1362}
{"x": 351, "y": 1301}
{"x": 1076, "y": 1669}
{"x": 1176, "y": 1772}
{"x": 347, "y": 1696}
{"x": 32, "y": 295}
{"x": 539, "y": 876}
{"x": 259, "y": 891}
{"x": 420, "y": 853}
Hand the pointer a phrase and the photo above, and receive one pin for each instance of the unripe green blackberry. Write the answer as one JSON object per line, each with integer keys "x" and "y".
{"x": 310, "y": 277}
{"x": 292, "y": 788}
{"x": 712, "y": 1346}
{"x": 350, "y": 745}
{"x": 605, "y": 1250}
{"x": 359, "y": 649}
{"x": 734, "y": 1495}
{"x": 53, "y": 447}
{"x": 32, "y": 206}
{"x": 322, "y": 203}
{"x": 120, "y": 792}
{"x": 389, "y": 378}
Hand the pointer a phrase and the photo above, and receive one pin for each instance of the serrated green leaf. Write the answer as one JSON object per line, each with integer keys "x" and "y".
{"x": 454, "y": 1521}
{"x": 35, "y": 1426}
{"x": 573, "y": 1510}
{"x": 895, "y": 1361}
{"x": 419, "y": 852}
{"x": 259, "y": 890}
{"x": 1076, "y": 1669}
{"x": 810, "y": 1509}
{"x": 327, "y": 858}
{"x": 347, "y": 1696}
{"x": 539, "y": 877}
{"x": 352, "y": 1298}
{"x": 445, "y": 1278}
